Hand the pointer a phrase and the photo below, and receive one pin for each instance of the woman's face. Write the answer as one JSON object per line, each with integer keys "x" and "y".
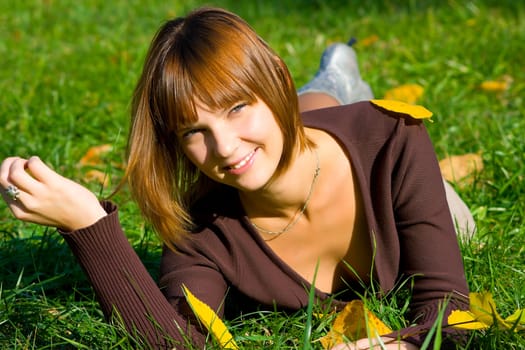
{"x": 240, "y": 146}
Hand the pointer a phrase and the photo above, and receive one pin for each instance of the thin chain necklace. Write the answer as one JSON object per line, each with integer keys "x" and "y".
{"x": 300, "y": 212}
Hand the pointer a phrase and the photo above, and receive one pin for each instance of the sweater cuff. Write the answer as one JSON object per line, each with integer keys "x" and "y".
{"x": 103, "y": 223}
{"x": 105, "y": 238}
{"x": 450, "y": 337}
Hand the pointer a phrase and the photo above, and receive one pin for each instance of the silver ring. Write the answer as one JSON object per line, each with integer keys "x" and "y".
{"x": 13, "y": 192}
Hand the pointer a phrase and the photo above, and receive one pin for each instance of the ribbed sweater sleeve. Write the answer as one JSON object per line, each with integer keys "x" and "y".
{"x": 123, "y": 286}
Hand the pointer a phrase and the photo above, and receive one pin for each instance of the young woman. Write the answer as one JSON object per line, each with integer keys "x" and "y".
{"x": 250, "y": 196}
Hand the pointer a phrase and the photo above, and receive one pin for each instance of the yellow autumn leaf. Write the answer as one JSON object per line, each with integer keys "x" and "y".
{"x": 494, "y": 86}
{"x": 97, "y": 176}
{"x": 408, "y": 93}
{"x": 94, "y": 155}
{"x": 354, "y": 322}
{"x": 369, "y": 40}
{"x": 461, "y": 167}
{"x": 516, "y": 320}
{"x": 465, "y": 320}
{"x": 482, "y": 305}
{"x": 415, "y": 111}
{"x": 210, "y": 320}
{"x": 499, "y": 85}
{"x": 482, "y": 314}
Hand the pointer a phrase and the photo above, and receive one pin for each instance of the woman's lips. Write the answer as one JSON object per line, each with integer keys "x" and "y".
{"x": 242, "y": 165}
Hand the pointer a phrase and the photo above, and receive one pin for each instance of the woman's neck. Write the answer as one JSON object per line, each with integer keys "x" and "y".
{"x": 287, "y": 194}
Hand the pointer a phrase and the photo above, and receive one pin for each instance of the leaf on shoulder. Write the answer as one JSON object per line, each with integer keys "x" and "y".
{"x": 414, "y": 111}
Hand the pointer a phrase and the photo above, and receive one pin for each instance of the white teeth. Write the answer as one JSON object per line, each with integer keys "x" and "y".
{"x": 242, "y": 162}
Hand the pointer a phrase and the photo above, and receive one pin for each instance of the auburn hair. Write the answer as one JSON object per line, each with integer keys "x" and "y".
{"x": 214, "y": 57}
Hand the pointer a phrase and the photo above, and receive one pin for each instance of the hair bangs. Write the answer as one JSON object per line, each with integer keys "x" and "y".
{"x": 208, "y": 85}
{"x": 219, "y": 88}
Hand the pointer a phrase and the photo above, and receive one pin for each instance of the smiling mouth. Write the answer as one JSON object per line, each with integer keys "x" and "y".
{"x": 243, "y": 162}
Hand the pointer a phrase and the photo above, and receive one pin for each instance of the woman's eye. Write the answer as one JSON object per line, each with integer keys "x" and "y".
{"x": 190, "y": 132}
{"x": 238, "y": 107}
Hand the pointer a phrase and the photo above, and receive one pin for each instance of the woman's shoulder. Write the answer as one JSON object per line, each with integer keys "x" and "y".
{"x": 361, "y": 121}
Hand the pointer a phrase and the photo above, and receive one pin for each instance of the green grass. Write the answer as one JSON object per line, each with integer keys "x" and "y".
{"x": 67, "y": 73}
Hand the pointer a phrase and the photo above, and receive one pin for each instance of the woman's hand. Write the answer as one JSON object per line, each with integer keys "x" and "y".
{"x": 45, "y": 197}
{"x": 375, "y": 344}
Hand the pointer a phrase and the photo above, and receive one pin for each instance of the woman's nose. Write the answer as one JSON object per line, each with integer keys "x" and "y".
{"x": 225, "y": 142}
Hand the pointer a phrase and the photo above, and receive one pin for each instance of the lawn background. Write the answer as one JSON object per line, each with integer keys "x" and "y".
{"x": 68, "y": 70}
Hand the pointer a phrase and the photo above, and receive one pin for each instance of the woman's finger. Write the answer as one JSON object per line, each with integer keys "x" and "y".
{"x": 5, "y": 169}
{"x": 40, "y": 171}
{"x": 30, "y": 176}
{"x": 19, "y": 177}
{"x": 10, "y": 190}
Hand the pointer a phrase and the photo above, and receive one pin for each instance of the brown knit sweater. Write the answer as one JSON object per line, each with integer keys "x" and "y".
{"x": 406, "y": 212}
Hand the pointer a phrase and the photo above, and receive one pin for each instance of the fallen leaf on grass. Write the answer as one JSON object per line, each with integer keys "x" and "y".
{"x": 94, "y": 155}
{"x": 460, "y": 168}
{"x": 93, "y": 158}
{"x": 408, "y": 93}
{"x": 354, "y": 322}
{"x": 97, "y": 176}
{"x": 493, "y": 86}
{"x": 500, "y": 85}
{"x": 369, "y": 40}
{"x": 211, "y": 321}
{"x": 482, "y": 314}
